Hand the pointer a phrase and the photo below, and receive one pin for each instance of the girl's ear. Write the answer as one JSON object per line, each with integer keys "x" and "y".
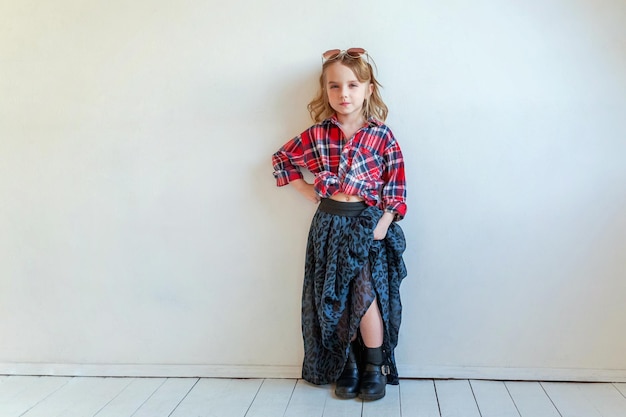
{"x": 371, "y": 89}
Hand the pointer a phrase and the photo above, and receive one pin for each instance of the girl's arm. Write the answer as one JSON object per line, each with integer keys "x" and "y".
{"x": 394, "y": 188}
{"x": 380, "y": 231}
{"x": 306, "y": 189}
{"x": 290, "y": 157}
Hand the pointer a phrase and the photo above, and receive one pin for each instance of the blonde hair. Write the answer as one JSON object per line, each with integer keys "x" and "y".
{"x": 320, "y": 108}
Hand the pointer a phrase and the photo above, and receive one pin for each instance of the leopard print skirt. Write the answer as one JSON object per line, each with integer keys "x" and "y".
{"x": 345, "y": 271}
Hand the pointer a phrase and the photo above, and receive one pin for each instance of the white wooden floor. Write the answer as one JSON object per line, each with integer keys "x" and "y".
{"x": 191, "y": 397}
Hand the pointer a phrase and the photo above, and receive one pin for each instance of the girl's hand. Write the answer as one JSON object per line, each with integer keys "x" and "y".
{"x": 380, "y": 231}
{"x": 306, "y": 189}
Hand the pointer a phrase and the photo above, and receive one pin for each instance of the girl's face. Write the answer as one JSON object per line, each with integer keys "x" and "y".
{"x": 346, "y": 93}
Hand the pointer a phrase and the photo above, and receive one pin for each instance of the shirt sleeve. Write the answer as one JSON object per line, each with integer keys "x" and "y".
{"x": 394, "y": 190}
{"x": 287, "y": 162}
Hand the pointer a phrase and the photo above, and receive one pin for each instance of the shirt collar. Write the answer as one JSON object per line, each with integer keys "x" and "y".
{"x": 371, "y": 122}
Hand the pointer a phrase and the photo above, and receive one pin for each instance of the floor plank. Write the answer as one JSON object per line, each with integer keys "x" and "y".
{"x": 456, "y": 399}
{"x": 33, "y": 394}
{"x": 79, "y": 397}
{"x": 418, "y": 398}
{"x": 531, "y": 399}
{"x": 307, "y": 400}
{"x": 388, "y": 406}
{"x": 132, "y": 398}
{"x": 219, "y": 397}
{"x": 569, "y": 399}
{"x": 341, "y": 407}
{"x": 605, "y": 398}
{"x": 166, "y": 398}
{"x": 272, "y": 398}
{"x": 493, "y": 399}
{"x": 14, "y": 385}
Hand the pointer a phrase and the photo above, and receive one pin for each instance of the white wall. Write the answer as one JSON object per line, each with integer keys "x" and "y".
{"x": 141, "y": 232}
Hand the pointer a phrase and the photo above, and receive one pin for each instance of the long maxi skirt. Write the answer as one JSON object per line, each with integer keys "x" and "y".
{"x": 345, "y": 271}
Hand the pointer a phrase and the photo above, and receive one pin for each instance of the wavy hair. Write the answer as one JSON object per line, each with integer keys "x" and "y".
{"x": 320, "y": 108}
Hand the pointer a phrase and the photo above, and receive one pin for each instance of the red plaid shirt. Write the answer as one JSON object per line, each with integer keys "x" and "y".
{"x": 369, "y": 165}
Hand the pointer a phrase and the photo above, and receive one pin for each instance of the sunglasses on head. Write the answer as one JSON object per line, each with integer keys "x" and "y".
{"x": 338, "y": 53}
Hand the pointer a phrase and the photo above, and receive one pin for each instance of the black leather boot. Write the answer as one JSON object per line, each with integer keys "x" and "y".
{"x": 348, "y": 383}
{"x": 373, "y": 380}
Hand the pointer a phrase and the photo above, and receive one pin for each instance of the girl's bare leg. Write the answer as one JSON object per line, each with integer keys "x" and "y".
{"x": 372, "y": 326}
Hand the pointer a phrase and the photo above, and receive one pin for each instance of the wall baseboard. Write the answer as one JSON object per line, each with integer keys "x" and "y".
{"x": 151, "y": 370}
{"x": 289, "y": 371}
{"x": 514, "y": 374}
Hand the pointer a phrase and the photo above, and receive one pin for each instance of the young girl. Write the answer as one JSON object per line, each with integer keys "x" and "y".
{"x": 351, "y": 306}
